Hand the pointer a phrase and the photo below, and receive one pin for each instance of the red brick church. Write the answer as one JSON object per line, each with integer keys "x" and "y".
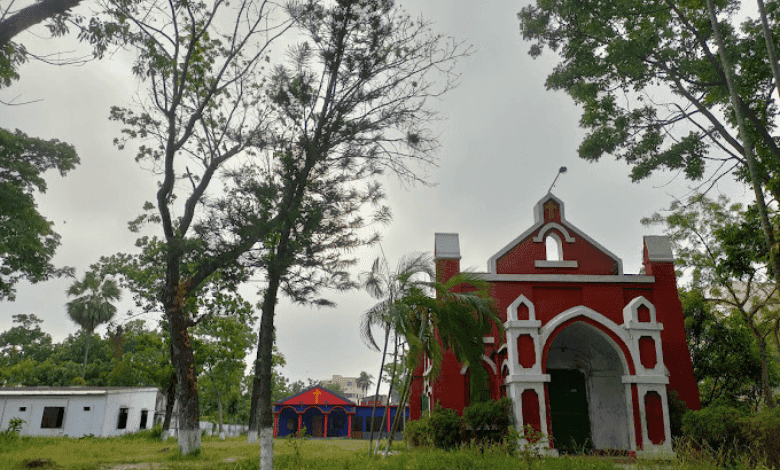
{"x": 589, "y": 353}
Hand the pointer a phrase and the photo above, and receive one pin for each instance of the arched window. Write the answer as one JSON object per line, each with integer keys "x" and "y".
{"x": 552, "y": 245}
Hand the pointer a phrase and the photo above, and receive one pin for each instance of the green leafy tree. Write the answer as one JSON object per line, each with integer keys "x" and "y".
{"x": 221, "y": 343}
{"x": 720, "y": 245}
{"x": 352, "y": 103}
{"x": 27, "y": 239}
{"x": 26, "y": 340}
{"x": 200, "y": 119}
{"x": 725, "y": 356}
{"x": 92, "y": 305}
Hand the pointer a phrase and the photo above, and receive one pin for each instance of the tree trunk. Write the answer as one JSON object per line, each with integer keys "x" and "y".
{"x": 400, "y": 412}
{"x": 32, "y": 15}
{"x": 170, "y": 399}
{"x": 770, "y": 45}
{"x": 87, "y": 337}
{"x": 265, "y": 350}
{"x": 219, "y": 415}
{"x": 378, "y": 382}
{"x": 747, "y": 144}
{"x": 766, "y": 391}
{"x": 389, "y": 393}
{"x": 187, "y": 382}
{"x": 251, "y": 435}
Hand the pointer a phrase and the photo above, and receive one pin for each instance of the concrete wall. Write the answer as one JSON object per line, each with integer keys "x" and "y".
{"x": 84, "y": 414}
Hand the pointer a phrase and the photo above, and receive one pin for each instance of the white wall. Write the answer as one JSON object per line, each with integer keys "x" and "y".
{"x": 100, "y": 420}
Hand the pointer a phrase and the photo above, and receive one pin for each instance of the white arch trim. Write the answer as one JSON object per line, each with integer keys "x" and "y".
{"x": 485, "y": 359}
{"x": 539, "y": 238}
{"x": 581, "y": 310}
{"x": 631, "y": 310}
{"x": 511, "y": 311}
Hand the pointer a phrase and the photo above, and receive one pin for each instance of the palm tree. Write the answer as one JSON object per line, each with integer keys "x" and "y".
{"x": 364, "y": 381}
{"x": 413, "y": 271}
{"x": 92, "y": 306}
{"x": 458, "y": 319}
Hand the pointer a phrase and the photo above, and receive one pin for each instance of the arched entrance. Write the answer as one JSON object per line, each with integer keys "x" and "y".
{"x": 587, "y": 398}
{"x": 337, "y": 422}
{"x": 314, "y": 420}
{"x": 287, "y": 422}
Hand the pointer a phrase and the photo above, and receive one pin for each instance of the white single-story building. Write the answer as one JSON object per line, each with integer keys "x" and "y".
{"x": 78, "y": 411}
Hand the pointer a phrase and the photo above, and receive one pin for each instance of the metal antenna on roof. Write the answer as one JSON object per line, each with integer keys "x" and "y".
{"x": 560, "y": 170}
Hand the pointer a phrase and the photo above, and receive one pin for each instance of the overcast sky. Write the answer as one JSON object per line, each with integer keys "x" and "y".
{"x": 502, "y": 141}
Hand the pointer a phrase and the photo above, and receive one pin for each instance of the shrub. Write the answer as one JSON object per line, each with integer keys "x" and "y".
{"x": 762, "y": 430}
{"x": 677, "y": 409}
{"x": 715, "y": 426}
{"x": 490, "y": 420}
{"x": 447, "y": 428}
{"x": 419, "y": 433}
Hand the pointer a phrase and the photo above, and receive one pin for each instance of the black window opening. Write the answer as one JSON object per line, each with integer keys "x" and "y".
{"x": 86, "y": 408}
{"x": 22, "y": 408}
{"x": 357, "y": 423}
{"x": 144, "y": 415}
{"x": 122, "y": 422}
{"x": 52, "y": 417}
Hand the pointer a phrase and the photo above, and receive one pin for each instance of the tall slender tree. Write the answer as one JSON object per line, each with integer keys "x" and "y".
{"x": 92, "y": 305}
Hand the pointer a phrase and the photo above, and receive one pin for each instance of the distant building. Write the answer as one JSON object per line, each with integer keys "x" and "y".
{"x": 327, "y": 414}
{"x": 78, "y": 411}
{"x": 349, "y": 387}
{"x": 370, "y": 399}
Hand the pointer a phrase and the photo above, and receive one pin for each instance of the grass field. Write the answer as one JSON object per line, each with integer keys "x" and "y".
{"x": 143, "y": 453}
{"x": 146, "y": 453}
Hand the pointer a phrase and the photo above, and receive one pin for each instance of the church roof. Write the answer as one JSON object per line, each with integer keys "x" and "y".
{"x": 317, "y": 396}
{"x": 581, "y": 254}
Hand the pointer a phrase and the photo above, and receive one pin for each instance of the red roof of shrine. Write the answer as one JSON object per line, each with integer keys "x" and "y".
{"x": 316, "y": 396}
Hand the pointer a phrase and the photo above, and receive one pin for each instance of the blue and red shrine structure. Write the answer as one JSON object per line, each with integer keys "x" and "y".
{"x": 324, "y": 413}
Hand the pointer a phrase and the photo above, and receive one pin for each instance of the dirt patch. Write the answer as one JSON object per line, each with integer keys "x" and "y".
{"x": 38, "y": 463}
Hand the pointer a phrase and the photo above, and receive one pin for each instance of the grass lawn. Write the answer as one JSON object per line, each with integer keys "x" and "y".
{"x": 144, "y": 453}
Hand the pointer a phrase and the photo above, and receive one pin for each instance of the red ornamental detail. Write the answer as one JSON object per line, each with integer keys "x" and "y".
{"x": 647, "y": 352}
{"x": 531, "y": 410}
{"x": 654, "y": 412}
{"x": 523, "y": 313}
{"x": 643, "y": 313}
{"x": 526, "y": 351}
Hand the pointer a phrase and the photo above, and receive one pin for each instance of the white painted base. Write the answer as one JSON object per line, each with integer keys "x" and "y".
{"x": 656, "y": 455}
{"x": 251, "y": 437}
{"x": 166, "y": 435}
{"x": 189, "y": 441}
{"x": 222, "y": 436}
{"x": 267, "y": 448}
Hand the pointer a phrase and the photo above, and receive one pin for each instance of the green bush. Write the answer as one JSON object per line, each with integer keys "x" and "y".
{"x": 762, "y": 430}
{"x": 716, "y": 426}
{"x": 447, "y": 428}
{"x": 419, "y": 433}
{"x": 489, "y": 421}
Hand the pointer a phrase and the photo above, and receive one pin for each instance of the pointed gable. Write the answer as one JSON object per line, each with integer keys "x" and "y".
{"x": 317, "y": 396}
{"x": 572, "y": 251}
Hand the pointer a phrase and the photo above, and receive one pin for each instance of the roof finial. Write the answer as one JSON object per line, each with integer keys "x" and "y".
{"x": 560, "y": 170}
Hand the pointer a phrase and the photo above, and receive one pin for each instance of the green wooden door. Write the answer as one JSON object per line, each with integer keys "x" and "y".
{"x": 569, "y": 410}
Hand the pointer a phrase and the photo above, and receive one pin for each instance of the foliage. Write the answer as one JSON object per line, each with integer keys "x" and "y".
{"x": 716, "y": 426}
{"x": 419, "y": 432}
{"x": 717, "y": 243}
{"x": 489, "y": 420}
{"x": 27, "y": 239}
{"x": 447, "y": 428}
{"x": 726, "y": 360}
{"x": 762, "y": 431}
{"x": 26, "y": 340}
{"x": 650, "y": 84}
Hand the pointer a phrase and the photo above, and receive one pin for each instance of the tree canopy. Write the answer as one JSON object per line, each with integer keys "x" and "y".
{"x": 652, "y": 89}
{"x": 27, "y": 239}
